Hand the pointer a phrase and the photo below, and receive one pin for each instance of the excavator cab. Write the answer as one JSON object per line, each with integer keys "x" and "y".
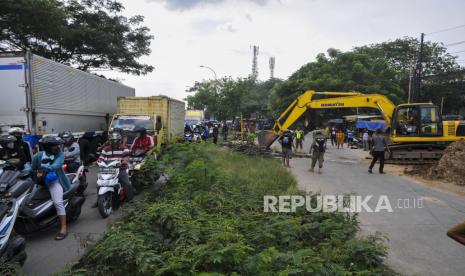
{"x": 416, "y": 120}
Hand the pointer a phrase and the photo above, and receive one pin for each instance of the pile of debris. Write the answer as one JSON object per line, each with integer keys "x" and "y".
{"x": 249, "y": 149}
{"x": 451, "y": 166}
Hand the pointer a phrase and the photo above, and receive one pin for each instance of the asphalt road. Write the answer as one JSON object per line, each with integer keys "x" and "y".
{"x": 47, "y": 256}
{"x": 418, "y": 244}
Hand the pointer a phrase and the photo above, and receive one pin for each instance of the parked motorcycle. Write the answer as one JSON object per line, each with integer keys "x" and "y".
{"x": 14, "y": 187}
{"x": 110, "y": 191}
{"x": 38, "y": 212}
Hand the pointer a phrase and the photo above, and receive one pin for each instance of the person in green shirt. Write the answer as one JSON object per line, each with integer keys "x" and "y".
{"x": 299, "y": 138}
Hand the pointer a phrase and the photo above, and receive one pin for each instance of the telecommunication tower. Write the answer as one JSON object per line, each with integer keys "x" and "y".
{"x": 272, "y": 63}
{"x": 254, "y": 62}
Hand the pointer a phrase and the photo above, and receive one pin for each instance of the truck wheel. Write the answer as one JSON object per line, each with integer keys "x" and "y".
{"x": 105, "y": 204}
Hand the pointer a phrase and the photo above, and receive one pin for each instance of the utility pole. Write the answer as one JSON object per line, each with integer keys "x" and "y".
{"x": 419, "y": 70}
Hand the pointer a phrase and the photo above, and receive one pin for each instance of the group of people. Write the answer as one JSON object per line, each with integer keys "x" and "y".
{"x": 46, "y": 166}
{"x": 339, "y": 137}
{"x": 204, "y": 132}
{"x": 317, "y": 148}
{"x": 377, "y": 144}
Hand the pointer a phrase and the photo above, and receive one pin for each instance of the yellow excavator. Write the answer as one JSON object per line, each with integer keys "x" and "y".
{"x": 416, "y": 132}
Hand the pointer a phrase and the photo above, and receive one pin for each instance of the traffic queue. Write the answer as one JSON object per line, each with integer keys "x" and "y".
{"x": 46, "y": 189}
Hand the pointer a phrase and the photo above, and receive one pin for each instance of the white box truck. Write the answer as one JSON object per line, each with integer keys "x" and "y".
{"x": 46, "y": 97}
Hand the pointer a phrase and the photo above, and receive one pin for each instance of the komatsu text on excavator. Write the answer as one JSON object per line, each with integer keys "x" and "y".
{"x": 416, "y": 131}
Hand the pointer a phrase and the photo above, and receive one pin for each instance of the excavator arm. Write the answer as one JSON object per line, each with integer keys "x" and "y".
{"x": 335, "y": 100}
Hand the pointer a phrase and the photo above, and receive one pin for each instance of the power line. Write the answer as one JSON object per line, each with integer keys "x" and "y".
{"x": 445, "y": 30}
{"x": 455, "y": 43}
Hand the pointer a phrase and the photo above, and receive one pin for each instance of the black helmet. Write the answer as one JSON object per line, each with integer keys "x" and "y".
{"x": 67, "y": 137}
{"x": 51, "y": 144}
{"x": 115, "y": 139}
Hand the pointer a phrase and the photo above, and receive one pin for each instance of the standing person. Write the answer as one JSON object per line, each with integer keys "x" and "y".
{"x": 366, "y": 140}
{"x": 317, "y": 149}
{"x": 48, "y": 164}
{"x": 299, "y": 138}
{"x": 379, "y": 146}
{"x": 225, "y": 132}
{"x": 350, "y": 137}
{"x": 215, "y": 134}
{"x": 333, "y": 137}
{"x": 286, "y": 146}
{"x": 340, "y": 139}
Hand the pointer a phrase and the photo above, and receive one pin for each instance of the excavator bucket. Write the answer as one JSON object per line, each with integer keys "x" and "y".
{"x": 266, "y": 138}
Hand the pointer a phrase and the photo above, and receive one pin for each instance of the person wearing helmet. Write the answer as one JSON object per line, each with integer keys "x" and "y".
{"x": 48, "y": 165}
{"x": 22, "y": 145}
{"x": 9, "y": 151}
{"x": 116, "y": 150}
{"x": 71, "y": 152}
{"x": 286, "y": 140}
{"x": 143, "y": 142}
{"x": 317, "y": 150}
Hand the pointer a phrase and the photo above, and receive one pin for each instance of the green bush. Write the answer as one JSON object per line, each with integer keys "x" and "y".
{"x": 209, "y": 219}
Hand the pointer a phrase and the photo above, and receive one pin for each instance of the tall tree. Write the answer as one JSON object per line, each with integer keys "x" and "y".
{"x": 88, "y": 33}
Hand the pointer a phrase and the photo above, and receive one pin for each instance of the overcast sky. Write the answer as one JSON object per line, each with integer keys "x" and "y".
{"x": 219, "y": 33}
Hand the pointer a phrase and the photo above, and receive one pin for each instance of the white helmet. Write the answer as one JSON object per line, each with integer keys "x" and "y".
{"x": 17, "y": 130}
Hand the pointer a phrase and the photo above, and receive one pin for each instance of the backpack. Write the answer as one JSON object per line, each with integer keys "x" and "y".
{"x": 320, "y": 144}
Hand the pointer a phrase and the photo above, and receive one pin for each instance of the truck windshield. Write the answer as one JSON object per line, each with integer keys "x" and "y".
{"x": 130, "y": 122}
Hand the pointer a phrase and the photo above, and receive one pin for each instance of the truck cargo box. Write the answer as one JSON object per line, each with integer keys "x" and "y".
{"x": 44, "y": 96}
{"x": 171, "y": 111}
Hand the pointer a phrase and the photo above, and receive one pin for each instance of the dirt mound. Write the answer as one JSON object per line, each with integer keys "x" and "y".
{"x": 451, "y": 166}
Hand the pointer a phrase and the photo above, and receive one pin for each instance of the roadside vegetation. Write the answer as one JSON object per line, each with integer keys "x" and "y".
{"x": 209, "y": 219}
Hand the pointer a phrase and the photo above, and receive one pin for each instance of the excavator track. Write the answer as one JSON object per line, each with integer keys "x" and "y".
{"x": 415, "y": 154}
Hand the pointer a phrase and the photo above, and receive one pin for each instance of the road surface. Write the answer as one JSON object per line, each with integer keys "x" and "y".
{"x": 418, "y": 244}
{"x": 47, "y": 256}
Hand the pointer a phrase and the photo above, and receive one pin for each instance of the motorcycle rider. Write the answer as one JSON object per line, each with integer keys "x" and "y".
{"x": 143, "y": 141}
{"x": 48, "y": 164}
{"x": 9, "y": 150}
{"x": 116, "y": 150}
{"x": 71, "y": 151}
{"x": 22, "y": 145}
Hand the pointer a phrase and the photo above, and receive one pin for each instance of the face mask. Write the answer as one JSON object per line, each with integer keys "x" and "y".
{"x": 19, "y": 137}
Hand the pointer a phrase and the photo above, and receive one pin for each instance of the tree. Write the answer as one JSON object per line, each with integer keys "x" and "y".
{"x": 226, "y": 98}
{"x": 380, "y": 68}
{"x": 88, "y": 34}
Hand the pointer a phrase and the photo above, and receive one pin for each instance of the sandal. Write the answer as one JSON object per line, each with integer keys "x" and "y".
{"x": 61, "y": 236}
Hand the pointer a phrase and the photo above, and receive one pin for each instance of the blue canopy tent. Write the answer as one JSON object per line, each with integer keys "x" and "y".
{"x": 371, "y": 126}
